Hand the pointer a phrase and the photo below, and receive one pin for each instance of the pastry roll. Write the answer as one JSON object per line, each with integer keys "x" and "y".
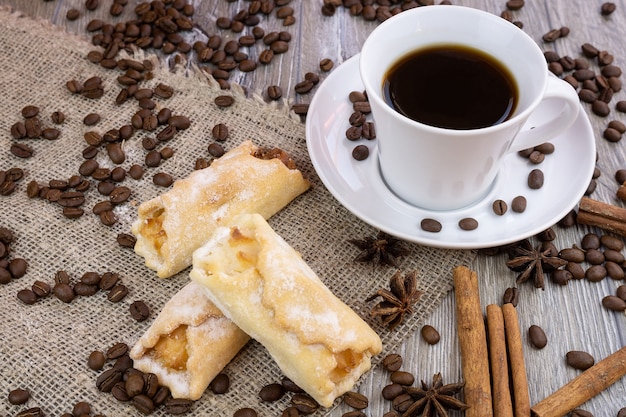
{"x": 188, "y": 343}
{"x": 263, "y": 285}
{"x": 246, "y": 179}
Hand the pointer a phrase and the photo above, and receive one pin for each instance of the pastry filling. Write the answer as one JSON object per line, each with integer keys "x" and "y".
{"x": 153, "y": 230}
{"x": 347, "y": 360}
{"x": 275, "y": 153}
{"x": 171, "y": 349}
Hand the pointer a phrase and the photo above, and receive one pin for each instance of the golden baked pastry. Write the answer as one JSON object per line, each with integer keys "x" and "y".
{"x": 188, "y": 343}
{"x": 263, "y": 285}
{"x": 247, "y": 179}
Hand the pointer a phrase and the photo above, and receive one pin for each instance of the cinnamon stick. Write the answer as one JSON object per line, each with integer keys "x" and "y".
{"x": 519, "y": 379}
{"x": 501, "y": 392}
{"x": 584, "y": 387}
{"x": 472, "y": 344}
{"x": 603, "y": 215}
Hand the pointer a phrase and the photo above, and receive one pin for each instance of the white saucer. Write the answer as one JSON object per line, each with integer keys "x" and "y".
{"x": 359, "y": 186}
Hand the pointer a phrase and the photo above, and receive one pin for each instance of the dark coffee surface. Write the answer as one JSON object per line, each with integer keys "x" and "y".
{"x": 451, "y": 86}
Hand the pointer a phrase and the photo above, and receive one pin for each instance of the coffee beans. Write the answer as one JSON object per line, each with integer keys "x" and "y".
{"x": 430, "y": 334}
{"x": 392, "y": 362}
{"x": 537, "y": 337}
{"x": 430, "y": 225}
{"x": 360, "y": 152}
{"x": 468, "y": 223}
{"x": 271, "y": 392}
{"x": 220, "y": 384}
{"x": 245, "y": 412}
{"x": 139, "y": 310}
{"x": 579, "y": 359}
{"x": 355, "y": 400}
{"x": 18, "y": 396}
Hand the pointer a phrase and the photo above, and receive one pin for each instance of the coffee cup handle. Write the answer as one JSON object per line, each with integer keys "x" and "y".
{"x": 557, "y": 112}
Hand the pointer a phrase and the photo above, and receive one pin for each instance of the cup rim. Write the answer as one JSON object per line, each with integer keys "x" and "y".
{"x": 407, "y": 14}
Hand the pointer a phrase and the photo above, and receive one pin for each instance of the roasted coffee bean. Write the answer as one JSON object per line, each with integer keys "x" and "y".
{"x": 134, "y": 384}
{"x": 119, "y": 195}
{"x": 117, "y": 293}
{"x": 272, "y": 392}
{"x": 245, "y": 412}
{"x": 162, "y": 179}
{"x": 590, "y": 241}
{"x": 392, "y": 362}
{"x": 41, "y": 289}
{"x": 96, "y": 360}
{"x": 143, "y": 403}
{"x": 216, "y": 150}
{"x": 220, "y": 132}
{"x": 326, "y": 64}
{"x": 50, "y": 133}
{"x": 107, "y": 379}
{"x": 224, "y": 101}
{"x": 18, "y": 396}
{"x": 105, "y": 188}
{"x": 22, "y": 150}
{"x": 468, "y": 223}
{"x": 153, "y": 159}
{"x": 300, "y": 108}
{"x": 561, "y": 276}
{"x": 594, "y": 256}
{"x": 166, "y": 134}
{"x": 304, "y": 403}
{"x": 368, "y": 131}
{"x": 354, "y": 133}
{"x": 607, "y": 8}
{"x": 17, "y": 267}
{"x": 18, "y": 130}
{"x": 5, "y": 276}
{"x": 119, "y": 392}
{"x": 71, "y": 199}
{"x": 136, "y": 171}
{"x": 29, "y": 297}
{"x": 614, "y": 270}
{"x": 600, "y": 108}
{"x": 391, "y": 391}
{"x": 274, "y": 92}
{"x": 108, "y": 281}
{"x": 535, "y": 179}
{"x": 355, "y": 400}
{"x": 612, "y": 242}
{"x": 85, "y": 290}
{"x": 518, "y": 204}
{"x": 499, "y": 207}
{"x": 402, "y": 402}
{"x": 596, "y": 273}
{"x": 511, "y": 295}
{"x": 579, "y": 359}
{"x": 572, "y": 255}
{"x": 118, "y": 174}
{"x": 126, "y": 240}
{"x": 360, "y": 152}
{"x": 81, "y": 408}
{"x": 139, "y": 310}
{"x": 91, "y": 119}
{"x": 220, "y": 384}
{"x": 117, "y": 350}
{"x": 614, "y": 303}
{"x": 430, "y": 334}
{"x": 402, "y": 378}
{"x": 178, "y": 406}
{"x": 303, "y": 87}
{"x": 116, "y": 153}
{"x": 537, "y": 337}
{"x": 31, "y": 412}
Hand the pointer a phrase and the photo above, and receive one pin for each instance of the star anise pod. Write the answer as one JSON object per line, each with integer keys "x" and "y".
{"x": 398, "y": 300}
{"x": 382, "y": 249}
{"x": 434, "y": 400}
{"x": 529, "y": 261}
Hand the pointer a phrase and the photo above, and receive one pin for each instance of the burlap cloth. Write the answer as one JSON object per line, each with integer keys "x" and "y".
{"x": 44, "y": 347}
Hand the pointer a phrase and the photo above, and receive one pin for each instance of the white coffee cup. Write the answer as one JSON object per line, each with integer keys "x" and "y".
{"x": 444, "y": 169}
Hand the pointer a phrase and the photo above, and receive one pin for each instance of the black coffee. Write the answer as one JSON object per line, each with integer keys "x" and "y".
{"x": 451, "y": 86}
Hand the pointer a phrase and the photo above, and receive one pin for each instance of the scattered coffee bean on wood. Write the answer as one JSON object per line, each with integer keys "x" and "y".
{"x": 537, "y": 336}
{"x": 355, "y": 400}
{"x": 579, "y": 359}
{"x": 392, "y": 362}
{"x": 430, "y": 334}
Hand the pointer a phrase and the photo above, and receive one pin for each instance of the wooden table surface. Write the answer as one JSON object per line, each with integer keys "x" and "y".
{"x": 571, "y": 315}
